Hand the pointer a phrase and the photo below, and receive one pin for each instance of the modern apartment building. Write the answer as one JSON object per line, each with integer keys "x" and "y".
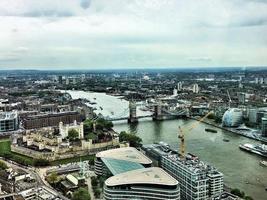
{"x": 197, "y": 180}
{"x": 151, "y": 183}
{"x": 8, "y": 121}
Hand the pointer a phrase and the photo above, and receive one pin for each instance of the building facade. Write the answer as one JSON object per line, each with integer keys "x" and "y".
{"x": 233, "y": 117}
{"x": 197, "y": 180}
{"x": 264, "y": 126}
{"x": 147, "y": 183}
{"x": 9, "y": 121}
{"x": 47, "y": 120}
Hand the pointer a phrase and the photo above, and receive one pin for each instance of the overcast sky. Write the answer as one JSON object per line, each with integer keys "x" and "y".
{"x": 94, "y": 34}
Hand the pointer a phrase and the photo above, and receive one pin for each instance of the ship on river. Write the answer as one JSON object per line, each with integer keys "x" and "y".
{"x": 257, "y": 149}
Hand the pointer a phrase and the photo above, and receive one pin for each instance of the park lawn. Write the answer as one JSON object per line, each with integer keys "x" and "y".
{"x": 6, "y": 149}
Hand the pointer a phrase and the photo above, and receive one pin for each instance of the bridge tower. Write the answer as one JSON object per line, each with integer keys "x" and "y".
{"x": 132, "y": 112}
{"x": 158, "y": 112}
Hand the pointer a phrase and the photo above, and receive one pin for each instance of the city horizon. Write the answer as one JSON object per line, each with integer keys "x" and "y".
{"x": 128, "y": 34}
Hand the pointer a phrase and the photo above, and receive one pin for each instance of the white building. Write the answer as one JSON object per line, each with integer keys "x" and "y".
{"x": 64, "y": 129}
{"x": 257, "y": 80}
{"x": 261, "y": 80}
{"x": 174, "y": 92}
{"x": 180, "y": 86}
{"x": 195, "y": 88}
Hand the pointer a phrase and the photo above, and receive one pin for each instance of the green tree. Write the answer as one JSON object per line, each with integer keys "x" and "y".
{"x": 73, "y": 134}
{"x": 237, "y": 192}
{"x": 52, "y": 178}
{"x": 97, "y": 192}
{"x": 91, "y": 161}
{"x": 133, "y": 140}
{"x": 81, "y": 194}
{"x": 94, "y": 181}
{"x": 3, "y": 165}
{"x": 40, "y": 162}
{"x": 88, "y": 126}
{"x": 103, "y": 124}
{"x": 248, "y": 198}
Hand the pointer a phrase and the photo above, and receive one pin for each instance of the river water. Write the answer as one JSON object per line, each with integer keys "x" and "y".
{"x": 241, "y": 169}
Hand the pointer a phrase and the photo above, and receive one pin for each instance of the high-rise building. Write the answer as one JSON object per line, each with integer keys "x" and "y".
{"x": 241, "y": 97}
{"x": 174, "y": 92}
{"x": 197, "y": 180}
{"x": 180, "y": 86}
{"x": 195, "y": 88}
{"x": 257, "y": 80}
{"x": 67, "y": 81}
{"x": 83, "y": 78}
{"x": 261, "y": 80}
{"x": 252, "y": 115}
{"x": 264, "y": 126}
{"x": 8, "y": 121}
{"x": 60, "y": 79}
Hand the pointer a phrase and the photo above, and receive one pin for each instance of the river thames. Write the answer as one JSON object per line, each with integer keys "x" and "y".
{"x": 241, "y": 169}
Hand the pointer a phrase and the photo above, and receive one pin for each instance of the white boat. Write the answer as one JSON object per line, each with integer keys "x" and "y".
{"x": 263, "y": 163}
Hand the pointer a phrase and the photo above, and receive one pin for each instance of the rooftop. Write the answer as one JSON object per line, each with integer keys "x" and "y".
{"x": 8, "y": 115}
{"x": 120, "y": 166}
{"x": 152, "y": 175}
{"x": 193, "y": 164}
{"x": 127, "y": 154}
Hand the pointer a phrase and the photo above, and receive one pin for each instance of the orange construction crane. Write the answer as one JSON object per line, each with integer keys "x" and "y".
{"x": 181, "y": 134}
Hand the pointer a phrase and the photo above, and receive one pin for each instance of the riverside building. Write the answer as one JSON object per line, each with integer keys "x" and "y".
{"x": 197, "y": 180}
{"x": 131, "y": 176}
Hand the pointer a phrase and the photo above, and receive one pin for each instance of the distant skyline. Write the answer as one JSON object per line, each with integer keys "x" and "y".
{"x": 102, "y": 34}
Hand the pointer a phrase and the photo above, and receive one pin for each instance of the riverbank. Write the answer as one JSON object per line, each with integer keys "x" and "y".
{"x": 232, "y": 130}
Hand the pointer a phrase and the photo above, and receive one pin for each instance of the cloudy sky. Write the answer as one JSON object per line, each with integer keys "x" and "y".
{"x": 94, "y": 34}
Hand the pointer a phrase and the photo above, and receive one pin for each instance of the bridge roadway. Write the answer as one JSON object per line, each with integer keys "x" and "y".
{"x": 167, "y": 113}
{"x": 125, "y": 118}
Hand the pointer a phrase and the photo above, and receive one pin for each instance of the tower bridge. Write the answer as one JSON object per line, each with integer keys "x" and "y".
{"x": 160, "y": 112}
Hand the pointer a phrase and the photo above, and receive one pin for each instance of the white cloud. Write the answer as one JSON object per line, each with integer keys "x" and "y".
{"x": 119, "y": 33}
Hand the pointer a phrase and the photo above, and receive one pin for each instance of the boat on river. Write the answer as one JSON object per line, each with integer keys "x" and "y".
{"x": 263, "y": 163}
{"x": 257, "y": 149}
{"x": 210, "y": 130}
